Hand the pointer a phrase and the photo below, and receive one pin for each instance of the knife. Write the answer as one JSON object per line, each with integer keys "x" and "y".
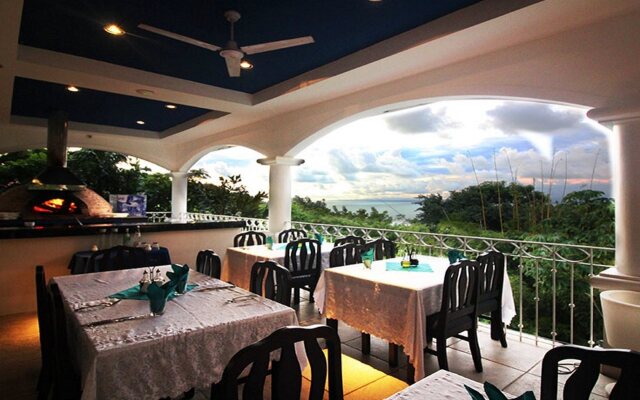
{"x": 116, "y": 320}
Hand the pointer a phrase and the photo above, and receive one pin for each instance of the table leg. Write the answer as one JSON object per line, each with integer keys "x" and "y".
{"x": 410, "y": 373}
{"x": 366, "y": 342}
{"x": 393, "y": 355}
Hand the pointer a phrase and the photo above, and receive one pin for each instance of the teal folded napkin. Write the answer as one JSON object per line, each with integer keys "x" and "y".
{"x": 455, "y": 256}
{"x": 279, "y": 246}
{"x": 134, "y": 293}
{"x": 179, "y": 275}
{"x": 319, "y": 238}
{"x": 396, "y": 266}
{"x": 158, "y": 296}
{"x": 269, "y": 242}
{"x": 367, "y": 257}
{"x": 493, "y": 393}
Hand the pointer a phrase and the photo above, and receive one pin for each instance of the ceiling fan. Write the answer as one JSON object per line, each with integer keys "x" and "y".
{"x": 231, "y": 52}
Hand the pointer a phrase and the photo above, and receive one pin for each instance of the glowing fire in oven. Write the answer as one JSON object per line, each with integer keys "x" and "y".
{"x": 56, "y": 206}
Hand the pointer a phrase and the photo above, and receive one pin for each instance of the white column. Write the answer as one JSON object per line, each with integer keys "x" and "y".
{"x": 625, "y": 164}
{"x": 179, "y": 195}
{"x": 279, "y": 191}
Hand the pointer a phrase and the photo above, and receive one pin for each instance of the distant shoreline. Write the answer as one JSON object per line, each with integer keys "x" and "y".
{"x": 394, "y": 207}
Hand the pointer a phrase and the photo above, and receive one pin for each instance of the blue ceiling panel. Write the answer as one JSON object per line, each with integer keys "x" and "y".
{"x": 339, "y": 27}
{"x": 33, "y": 98}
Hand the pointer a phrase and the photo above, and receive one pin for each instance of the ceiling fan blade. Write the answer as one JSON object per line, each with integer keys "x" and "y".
{"x": 179, "y": 37}
{"x": 233, "y": 66}
{"x": 277, "y": 45}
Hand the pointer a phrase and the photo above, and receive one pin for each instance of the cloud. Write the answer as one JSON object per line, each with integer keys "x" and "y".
{"x": 514, "y": 117}
{"x": 421, "y": 120}
{"x": 313, "y": 176}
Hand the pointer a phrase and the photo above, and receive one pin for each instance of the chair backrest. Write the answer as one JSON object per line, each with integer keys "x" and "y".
{"x": 45, "y": 318}
{"x": 459, "y": 294}
{"x": 271, "y": 280}
{"x": 346, "y": 254}
{"x": 208, "y": 263}
{"x": 286, "y": 376}
{"x": 490, "y": 275}
{"x": 349, "y": 239}
{"x": 581, "y": 382}
{"x": 116, "y": 258}
{"x": 302, "y": 257}
{"x": 66, "y": 379}
{"x": 249, "y": 238}
{"x": 382, "y": 249}
{"x": 291, "y": 235}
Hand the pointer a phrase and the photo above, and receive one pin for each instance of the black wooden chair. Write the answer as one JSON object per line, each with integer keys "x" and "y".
{"x": 271, "y": 280}
{"x": 45, "y": 326}
{"x": 491, "y": 269}
{"x": 302, "y": 259}
{"x": 345, "y": 254}
{"x": 582, "y": 380}
{"x": 349, "y": 239}
{"x": 458, "y": 312}
{"x": 66, "y": 380}
{"x": 382, "y": 249}
{"x": 117, "y": 258}
{"x": 290, "y": 235}
{"x": 286, "y": 377}
{"x": 249, "y": 238}
{"x": 208, "y": 263}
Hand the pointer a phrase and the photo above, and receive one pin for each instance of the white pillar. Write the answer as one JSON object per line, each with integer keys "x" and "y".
{"x": 625, "y": 164}
{"x": 179, "y": 195}
{"x": 279, "y": 191}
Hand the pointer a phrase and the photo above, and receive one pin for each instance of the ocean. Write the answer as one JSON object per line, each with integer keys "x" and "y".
{"x": 394, "y": 208}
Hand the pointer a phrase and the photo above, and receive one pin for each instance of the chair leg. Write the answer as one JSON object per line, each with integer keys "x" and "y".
{"x": 365, "y": 339}
{"x": 296, "y": 296}
{"x": 498, "y": 328}
{"x": 475, "y": 349}
{"x": 333, "y": 323}
{"x": 441, "y": 346}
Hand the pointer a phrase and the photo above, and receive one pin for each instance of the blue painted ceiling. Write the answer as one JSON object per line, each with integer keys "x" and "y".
{"x": 339, "y": 27}
{"x": 33, "y": 98}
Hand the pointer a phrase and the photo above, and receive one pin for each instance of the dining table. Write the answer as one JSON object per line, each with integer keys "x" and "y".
{"x": 238, "y": 261}
{"x": 392, "y": 302}
{"x": 441, "y": 385}
{"x": 122, "y": 351}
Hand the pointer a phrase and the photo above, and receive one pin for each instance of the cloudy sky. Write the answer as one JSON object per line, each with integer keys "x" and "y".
{"x": 434, "y": 149}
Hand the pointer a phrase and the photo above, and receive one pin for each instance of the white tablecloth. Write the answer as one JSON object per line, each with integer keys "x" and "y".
{"x": 188, "y": 346}
{"x": 391, "y": 305}
{"x": 237, "y": 264}
{"x": 441, "y": 385}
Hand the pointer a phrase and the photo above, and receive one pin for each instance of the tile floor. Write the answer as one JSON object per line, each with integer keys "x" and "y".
{"x": 514, "y": 369}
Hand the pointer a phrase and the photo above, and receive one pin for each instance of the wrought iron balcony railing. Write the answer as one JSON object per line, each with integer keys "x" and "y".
{"x": 550, "y": 280}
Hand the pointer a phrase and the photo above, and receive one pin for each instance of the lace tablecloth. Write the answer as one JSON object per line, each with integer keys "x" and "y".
{"x": 391, "y": 305}
{"x": 188, "y": 346}
{"x": 441, "y": 385}
{"x": 239, "y": 260}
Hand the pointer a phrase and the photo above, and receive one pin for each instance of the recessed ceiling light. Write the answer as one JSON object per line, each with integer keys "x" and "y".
{"x": 171, "y": 106}
{"x": 140, "y": 122}
{"x": 114, "y": 29}
{"x": 72, "y": 88}
{"x": 145, "y": 92}
{"x": 246, "y": 64}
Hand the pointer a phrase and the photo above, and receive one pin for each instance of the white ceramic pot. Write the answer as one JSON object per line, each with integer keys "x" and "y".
{"x": 621, "y": 313}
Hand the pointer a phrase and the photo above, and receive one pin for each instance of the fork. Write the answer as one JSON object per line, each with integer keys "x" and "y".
{"x": 108, "y": 302}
